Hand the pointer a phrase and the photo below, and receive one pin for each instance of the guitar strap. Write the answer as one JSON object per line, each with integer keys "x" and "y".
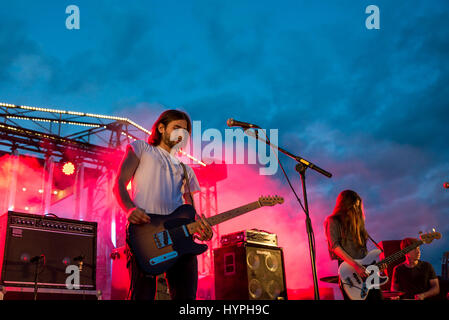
{"x": 375, "y": 243}
{"x": 186, "y": 182}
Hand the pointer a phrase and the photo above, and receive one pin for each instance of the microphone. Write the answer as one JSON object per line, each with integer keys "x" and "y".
{"x": 235, "y": 123}
{"x": 446, "y": 185}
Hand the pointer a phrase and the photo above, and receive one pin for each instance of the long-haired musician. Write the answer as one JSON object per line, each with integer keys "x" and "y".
{"x": 347, "y": 236}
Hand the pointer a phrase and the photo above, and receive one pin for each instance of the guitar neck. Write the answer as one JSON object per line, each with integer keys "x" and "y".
{"x": 399, "y": 254}
{"x": 227, "y": 215}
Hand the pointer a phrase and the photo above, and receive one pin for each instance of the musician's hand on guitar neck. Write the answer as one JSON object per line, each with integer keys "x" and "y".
{"x": 137, "y": 216}
{"x": 202, "y": 230}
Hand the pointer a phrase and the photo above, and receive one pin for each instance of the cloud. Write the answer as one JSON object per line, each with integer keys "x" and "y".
{"x": 369, "y": 106}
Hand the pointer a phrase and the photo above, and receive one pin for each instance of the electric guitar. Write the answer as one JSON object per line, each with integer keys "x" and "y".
{"x": 159, "y": 244}
{"x": 357, "y": 288}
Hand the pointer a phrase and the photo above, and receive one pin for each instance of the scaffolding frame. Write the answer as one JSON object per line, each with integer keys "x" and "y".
{"x": 51, "y": 134}
{"x": 43, "y": 132}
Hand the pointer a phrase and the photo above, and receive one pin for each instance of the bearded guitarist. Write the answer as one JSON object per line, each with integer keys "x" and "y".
{"x": 160, "y": 183}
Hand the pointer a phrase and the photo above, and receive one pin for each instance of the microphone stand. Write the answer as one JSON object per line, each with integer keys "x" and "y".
{"x": 36, "y": 280}
{"x": 301, "y": 168}
{"x": 36, "y": 274}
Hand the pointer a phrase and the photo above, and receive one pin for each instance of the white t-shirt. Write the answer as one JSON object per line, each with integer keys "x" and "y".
{"x": 157, "y": 185}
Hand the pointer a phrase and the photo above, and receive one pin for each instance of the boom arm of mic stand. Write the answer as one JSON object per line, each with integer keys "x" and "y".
{"x": 297, "y": 158}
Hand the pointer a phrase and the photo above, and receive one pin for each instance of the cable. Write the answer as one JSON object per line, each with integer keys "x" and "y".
{"x": 309, "y": 227}
{"x": 37, "y": 273}
{"x": 43, "y": 263}
{"x": 283, "y": 171}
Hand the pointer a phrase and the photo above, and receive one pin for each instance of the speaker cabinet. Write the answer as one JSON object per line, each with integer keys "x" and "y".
{"x": 249, "y": 272}
{"x": 35, "y": 247}
{"x": 390, "y": 247}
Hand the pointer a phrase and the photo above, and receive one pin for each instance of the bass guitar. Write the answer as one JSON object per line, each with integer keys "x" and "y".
{"x": 159, "y": 244}
{"x": 356, "y": 287}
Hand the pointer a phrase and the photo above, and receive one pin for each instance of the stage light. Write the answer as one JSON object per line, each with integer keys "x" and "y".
{"x": 41, "y": 191}
{"x": 24, "y": 189}
{"x": 55, "y": 192}
{"x": 68, "y": 168}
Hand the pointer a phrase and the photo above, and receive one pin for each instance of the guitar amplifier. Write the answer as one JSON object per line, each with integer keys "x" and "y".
{"x": 253, "y": 236}
{"x": 33, "y": 245}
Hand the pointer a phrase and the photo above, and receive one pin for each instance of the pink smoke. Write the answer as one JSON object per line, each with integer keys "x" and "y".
{"x": 243, "y": 185}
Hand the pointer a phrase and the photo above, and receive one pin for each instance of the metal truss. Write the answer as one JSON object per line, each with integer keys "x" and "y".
{"x": 96, "y": 141}
{"x": 208, "y": 206}
{"x": 52, "y": 131}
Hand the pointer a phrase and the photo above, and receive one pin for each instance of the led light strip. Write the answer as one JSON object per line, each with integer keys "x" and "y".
{"x": 36, "y": 133}
{"x": 75, "y": 113}
{"x": 125, "y": 134}
{"x": 83, "y": 124}
{"x": 9, "y": 105}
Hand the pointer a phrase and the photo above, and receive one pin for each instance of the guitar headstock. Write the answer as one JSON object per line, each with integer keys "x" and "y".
{"x": 270, "y": 200}
{"x": 430, "y": 236}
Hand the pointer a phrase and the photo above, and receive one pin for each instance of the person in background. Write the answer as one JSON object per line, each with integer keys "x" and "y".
{"x": 416, "y": 278}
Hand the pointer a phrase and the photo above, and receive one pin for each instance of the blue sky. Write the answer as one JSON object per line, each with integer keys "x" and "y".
{"x": 370, "y": 106}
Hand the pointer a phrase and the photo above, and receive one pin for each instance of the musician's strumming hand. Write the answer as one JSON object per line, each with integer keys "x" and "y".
{"x": 361, "y": 270}
{"x": 203, "y": 230}
{"x": 137, "y": 216}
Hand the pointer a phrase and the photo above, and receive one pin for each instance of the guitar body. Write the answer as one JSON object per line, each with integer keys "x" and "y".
{"x": 354, "y": 286}
{"x": 159, "y": 244}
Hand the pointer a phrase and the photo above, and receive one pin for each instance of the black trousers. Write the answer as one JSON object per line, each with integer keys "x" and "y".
{"x": 182, "y": 279}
